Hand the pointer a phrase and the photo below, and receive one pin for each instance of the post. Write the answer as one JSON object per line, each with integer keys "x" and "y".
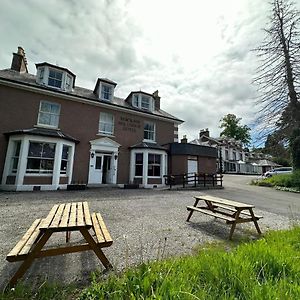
{"x": 195, "y": 179}
{"x": 204, "y": 179}
{"x": 183, "y": 180}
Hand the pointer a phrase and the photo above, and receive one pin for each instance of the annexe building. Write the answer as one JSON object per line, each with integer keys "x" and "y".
{"x": 54, "y": 133}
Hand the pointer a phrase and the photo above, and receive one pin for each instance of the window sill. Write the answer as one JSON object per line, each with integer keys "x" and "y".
{"x": 105, "y": 134}
{"x": 38, "y": 175}
{"x": 46, "y": 126}
{"x": 149, "y": 141}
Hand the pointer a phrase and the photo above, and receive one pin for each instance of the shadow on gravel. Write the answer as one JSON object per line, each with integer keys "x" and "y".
{"x": 219, "y": 229}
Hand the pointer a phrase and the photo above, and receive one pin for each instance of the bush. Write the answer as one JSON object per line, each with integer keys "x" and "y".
{"x": 282, "y": 180}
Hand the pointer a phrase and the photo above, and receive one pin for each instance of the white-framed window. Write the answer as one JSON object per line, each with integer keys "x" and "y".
{"x": 142, "y": 101}
{"x": 65, "y": 157}
{"x": 138, "y": 165}
{"x": 106, "y": 123}
{"x": 68, "y": 82}
{"x": 145, "y": 102}
{"x": 55, "y": 78}
{"x": 154, "y": 165}
{"x": 40, "y": 158}
{"x": 149, "y": 131}
{"x": 49, "y": 114}
{"x": 42, "y": 72}
{"x": 15, "y": 157}
{"x": 135, "y": 100}
{"x": 106, "y": 92}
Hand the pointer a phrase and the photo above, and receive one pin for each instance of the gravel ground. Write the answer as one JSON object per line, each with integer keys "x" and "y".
{"x": 144, "y": 224}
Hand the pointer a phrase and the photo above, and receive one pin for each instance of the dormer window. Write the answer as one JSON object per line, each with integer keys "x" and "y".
{"x": 106, "y": 92}
{"x": 145, "y": 103}
{"x": 104, "y": 89}
{"x": 135, "y": 100}
{"x": 142, "y": 101}
{"x": 55, "y": 78}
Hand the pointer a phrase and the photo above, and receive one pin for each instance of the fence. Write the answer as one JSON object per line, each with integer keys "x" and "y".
{"x": 194, "y": 180}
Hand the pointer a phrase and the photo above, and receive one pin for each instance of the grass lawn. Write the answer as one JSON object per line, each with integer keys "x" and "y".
{"x": 268, "y": 268}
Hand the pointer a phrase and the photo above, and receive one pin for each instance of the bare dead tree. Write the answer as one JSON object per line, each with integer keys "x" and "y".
{"x": 278, "y": 76}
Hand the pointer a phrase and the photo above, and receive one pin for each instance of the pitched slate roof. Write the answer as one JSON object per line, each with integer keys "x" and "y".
{"x": 43, "y": 132}
{"x": 143, "y": 145}
{"x": 79, "y": 92}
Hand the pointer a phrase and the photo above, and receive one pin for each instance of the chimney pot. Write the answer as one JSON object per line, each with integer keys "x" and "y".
{"x": 184, "y": 140}
{"x": 19, "y": 61}
{"x": 156, "y": 100}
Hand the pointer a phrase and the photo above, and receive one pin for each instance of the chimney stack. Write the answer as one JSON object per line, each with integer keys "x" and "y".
{"x": 156, "y": 100}
{"x": 204, "y": 132}
{"x": 19, "y": 61}
{"x": 184, "y": 140}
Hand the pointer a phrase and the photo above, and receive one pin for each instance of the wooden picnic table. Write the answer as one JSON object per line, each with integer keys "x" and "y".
{"x": 232, "y": 212}
{"x": 66, "y": 218}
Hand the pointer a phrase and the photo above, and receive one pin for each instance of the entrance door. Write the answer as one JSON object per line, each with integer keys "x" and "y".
{"x": 106, "y": 169}
{"x": 192, "y": 166}
{"x": 98, "y": 168}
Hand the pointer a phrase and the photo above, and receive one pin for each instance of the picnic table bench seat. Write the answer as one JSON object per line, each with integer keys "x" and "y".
{"x": 102, "y": 235}
{"x": 23, "y": 247}
{"x": 211, "y": 213}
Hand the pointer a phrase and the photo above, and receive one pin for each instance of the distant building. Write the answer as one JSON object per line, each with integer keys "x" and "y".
{"x": 232, "y": 157}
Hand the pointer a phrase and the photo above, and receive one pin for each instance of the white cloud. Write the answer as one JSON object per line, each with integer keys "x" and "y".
{"x": 196, "y": 53}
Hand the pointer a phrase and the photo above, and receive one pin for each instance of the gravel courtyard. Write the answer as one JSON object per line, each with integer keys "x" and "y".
{"x": 144, "y": 224}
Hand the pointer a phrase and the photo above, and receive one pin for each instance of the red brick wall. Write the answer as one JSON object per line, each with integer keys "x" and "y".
{"x": 19, "y": 110}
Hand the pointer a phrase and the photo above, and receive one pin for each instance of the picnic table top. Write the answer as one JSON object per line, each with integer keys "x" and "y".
{"x": 67, "y": 216}
{"x": 217, "y": 200}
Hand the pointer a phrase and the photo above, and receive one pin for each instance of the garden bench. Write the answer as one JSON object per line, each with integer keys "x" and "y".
{"x": 232, "y": 212}
{"x": 64, "y": 218}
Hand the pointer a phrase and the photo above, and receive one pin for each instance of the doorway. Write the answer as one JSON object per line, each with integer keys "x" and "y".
{"x": 100, "y": 169}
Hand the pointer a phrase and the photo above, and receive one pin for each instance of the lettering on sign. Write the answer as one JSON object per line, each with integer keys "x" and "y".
{"x": 129, "y": 124}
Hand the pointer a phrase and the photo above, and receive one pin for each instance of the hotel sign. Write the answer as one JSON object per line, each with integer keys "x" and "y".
{"x": 129, "y": 124}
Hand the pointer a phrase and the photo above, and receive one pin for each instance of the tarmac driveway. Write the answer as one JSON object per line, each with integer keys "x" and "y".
{"x": 144, "y": 224}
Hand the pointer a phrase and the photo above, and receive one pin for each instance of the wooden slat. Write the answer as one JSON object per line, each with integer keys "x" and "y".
{"x": 47, "y": 221}
{"x": 72, "y": 219}
{"x": 225, "y": 201}
{"x": 57, "y": 218}
{"x": 24, "y": 239}
{"x": 30, "y": 241}
{"x": 233, "y": 209}
{"x": 103, "y": 227}
{"x": 213, "y": 214}
{"x": 80, "y": 220}
{"x": 97, "y": 229}
{"x": 87, "y": 215}
{"x": 66, "y": 214}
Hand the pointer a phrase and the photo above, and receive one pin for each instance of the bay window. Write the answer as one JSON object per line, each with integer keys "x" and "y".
{"x": 154, "y": 163}
{"x": 40, "y": 158}
{"x": 65, "y": 159}
{"x": 139, "y": 164}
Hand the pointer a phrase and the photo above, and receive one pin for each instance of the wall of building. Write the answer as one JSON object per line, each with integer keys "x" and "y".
{"x": 19, "y": 110}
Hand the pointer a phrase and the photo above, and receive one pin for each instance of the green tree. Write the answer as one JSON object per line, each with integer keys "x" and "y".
{"x": 278, "y": 76}
{"x": 232, "y": 128}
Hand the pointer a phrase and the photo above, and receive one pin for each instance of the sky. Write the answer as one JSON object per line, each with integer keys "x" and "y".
{"x": 197, "y": 53}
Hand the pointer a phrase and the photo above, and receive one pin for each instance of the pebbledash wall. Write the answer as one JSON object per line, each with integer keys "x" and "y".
{"x": 53, "y": 133}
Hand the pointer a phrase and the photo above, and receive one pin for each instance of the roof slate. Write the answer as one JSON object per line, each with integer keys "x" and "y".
{"x": 83, "y": 93}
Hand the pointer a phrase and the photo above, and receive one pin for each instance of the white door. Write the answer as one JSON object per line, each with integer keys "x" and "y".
{"x": 96, "y": 169}
{"x": 192, "y": 166}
